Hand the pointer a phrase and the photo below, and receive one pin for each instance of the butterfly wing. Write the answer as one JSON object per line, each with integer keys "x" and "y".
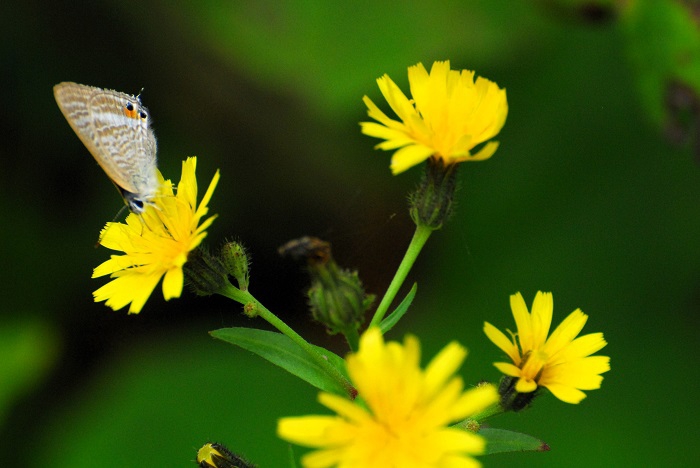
{"x": 115, "y": 128}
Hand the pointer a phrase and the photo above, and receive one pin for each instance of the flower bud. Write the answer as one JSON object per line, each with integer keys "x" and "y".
{"x": 312, "y": 249}
{"x": 432, "y": 202}
{"x": 237, "y": 263}
{"x": 205, "y": 274}
{"x": 511, "y": 400}
{"x": 337, "y": 298}
{"x": 213, "y": 455}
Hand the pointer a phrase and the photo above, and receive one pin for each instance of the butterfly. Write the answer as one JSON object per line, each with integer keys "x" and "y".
{"x": 116, "y": 129}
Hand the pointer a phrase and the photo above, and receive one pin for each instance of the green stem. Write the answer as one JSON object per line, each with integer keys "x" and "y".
{"x": 492, "y": 410}
{"x": 254, "y": 308}
{"x": 474, "y": 423}
{"x": 420, "y": 237}
{"x": 353, "y": 338}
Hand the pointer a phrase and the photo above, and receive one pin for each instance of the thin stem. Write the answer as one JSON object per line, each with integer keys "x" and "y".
{"x": 353, "y": 339}
{"x": 492, "y": 410}
{"x": 420, "y": 237}
{"x": 253, "y": 307}
{"x": 474, "y": 423}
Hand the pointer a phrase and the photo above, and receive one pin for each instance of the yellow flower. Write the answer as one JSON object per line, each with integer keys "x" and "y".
{"x": 562, "y": 363}
{"x": 448, "y": 116}
{"x": 402, "y": 421}
{"x": 155, "y": 244}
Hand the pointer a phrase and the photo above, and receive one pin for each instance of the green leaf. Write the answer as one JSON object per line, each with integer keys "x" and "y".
{"x": 283, "y": 352}
{"x": 500, "y": 441}
{"x": 292, "y": 458}
{"x": 393, "y": 318}
{"x": 335, "y": 360}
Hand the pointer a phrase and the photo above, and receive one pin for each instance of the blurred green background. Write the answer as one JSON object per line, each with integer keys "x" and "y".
{"x": 594, "y": 195}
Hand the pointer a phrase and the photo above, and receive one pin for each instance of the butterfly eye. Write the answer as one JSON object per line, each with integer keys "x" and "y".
{"x": 136, "y": 205}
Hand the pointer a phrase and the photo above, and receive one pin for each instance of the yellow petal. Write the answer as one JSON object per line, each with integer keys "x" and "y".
{"x": 409, "y": 156}
{"x": 396, "y": 99}
{"x": 443, "y": 366}
{"x": 323, "y": 459}
{"x": 394, "y": 138}
{"x": 522, "y": 321}
{"x": 581, "y": 347}
{"x": 343, "y": 407}
{"x": 501, "y": 340}
{"x": 374, "y": 112}
{"x": 566, "y": 393}
{"x": 476, "y": 400}
{"x": 172, "y": 283}
{"x": 564, "y": 334}
{"x": 453, "y": 440}
{"x": 187, "y": 188}
{"x": 485, "y": 153}
{"x": 525, "y": 385}
{"x": 541, "y": 317}
{"x": 305, "y": 430}
{"x": 508, "y": 369}
{"x": 210, "y": 191}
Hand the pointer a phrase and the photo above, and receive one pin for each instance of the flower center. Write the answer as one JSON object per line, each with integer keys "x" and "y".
{"x": 533, "y": 363}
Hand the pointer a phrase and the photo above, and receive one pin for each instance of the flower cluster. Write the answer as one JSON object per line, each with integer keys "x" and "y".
{"x": 394, "y": 413}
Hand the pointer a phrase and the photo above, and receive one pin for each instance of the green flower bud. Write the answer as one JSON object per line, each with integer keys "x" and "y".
{"x": 337, "y": 298}
{"x": 237, "y": 263}
{"x": 432, "y": 202}
{"x": 204, "y": 273}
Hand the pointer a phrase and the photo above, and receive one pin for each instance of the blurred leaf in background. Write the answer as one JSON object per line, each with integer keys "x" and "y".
{"x": 28, "y": 348}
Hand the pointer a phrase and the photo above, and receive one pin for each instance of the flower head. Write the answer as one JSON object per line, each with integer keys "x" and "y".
{"x": 449, "y": 115}
{"x": 155, "y": 243}
{"x": 561, "y": 362}
{"x": 402, "y": 420}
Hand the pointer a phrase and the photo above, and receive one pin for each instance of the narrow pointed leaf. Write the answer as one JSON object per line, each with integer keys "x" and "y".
{"x": 393, "y": 318}
{"x": 501, "y": 441}
{"x": 283, "y": 352}
{"x": 292, "y": 458}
